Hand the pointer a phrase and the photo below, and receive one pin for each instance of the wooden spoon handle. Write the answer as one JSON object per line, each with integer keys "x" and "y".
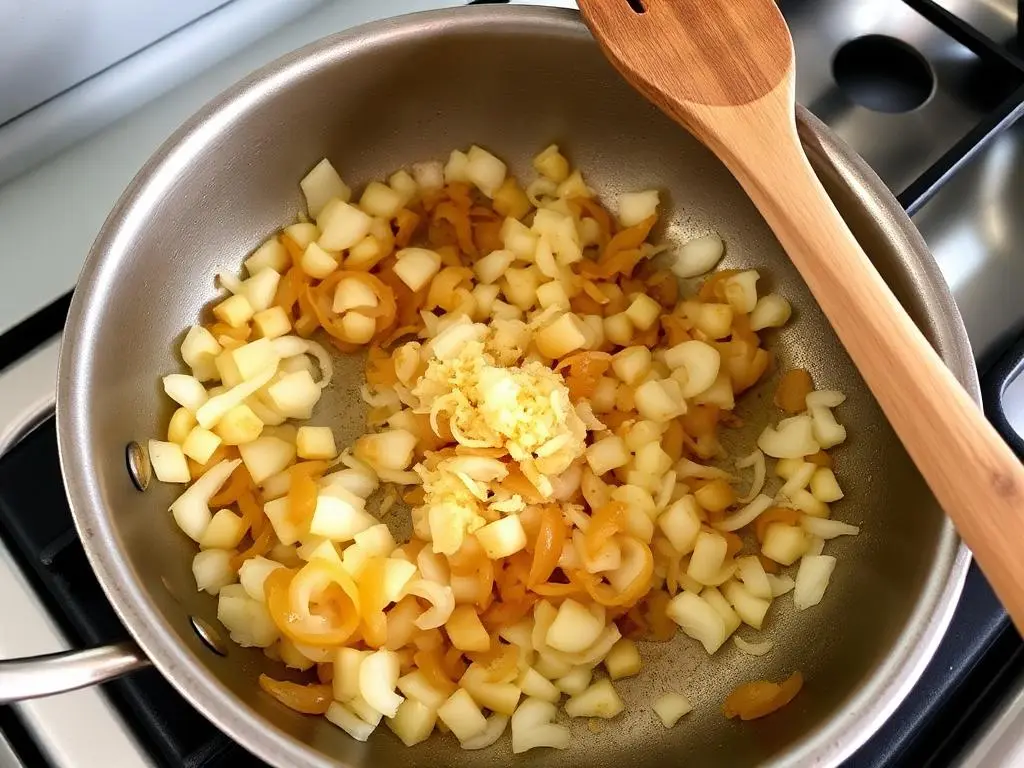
{"x": 976, "y": 478}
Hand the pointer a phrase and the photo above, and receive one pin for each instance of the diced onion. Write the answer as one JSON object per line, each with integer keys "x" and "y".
{"x": 750, "y": 609}
{"x": 413, "y": 722}
{"x": 349, "y": 721}
{"x": 253, "y": 574}
{"x": 191, "y": 510}
{"x": 780, "y": 584}
{"x": 757, "y": 461}
{"x": 168, "y": 462}
{"x": 533, "y": 683}
{"x": 623, "y": 660}
{"x": 378, "y": 676}
{"x": 752, "y": 649}
{"x": 741, "y": 290}
{"x": 670, "y": 707}
{"x": 429, "y": 175}
{"x": 532, "y": 727}
{"x": 798, "y": 479}
{"x": 699, "y": 360}
{"x": 751, "y": 572}
{"x": 707, "y": 558}
{"x": 812, "y": 579}
{"x": 827, "y": 431}
{"x": 827, "y": 529}
{"x": 698, "y": 619}
{"x": 440, "y": 597}
{"x": 746, "y": 515}
{"x": 771, "y": 311}
{"x": 599, "y": 700}
{"x": 824, "y": 398}
{"x": 698, "y": 256}
{"x": 212, "y": 570}
{"x": 485, "y": 170}
{"x": 784, "y": 543}
{"x": 574, "y": 628}
{"x": 634, "y": 207}
{"x": 792, "y": 438}
{"x": 496, "y": 725}
{"x": 320, "y": 185}
{"x": 247, "y": 621}
{"x": 462, "y": 715}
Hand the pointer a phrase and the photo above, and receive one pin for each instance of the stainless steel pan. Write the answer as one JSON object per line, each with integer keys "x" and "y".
{"x": 512, "y": 79}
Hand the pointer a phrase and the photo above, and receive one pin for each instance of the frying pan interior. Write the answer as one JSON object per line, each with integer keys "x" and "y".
{"x": 512, "y": 80}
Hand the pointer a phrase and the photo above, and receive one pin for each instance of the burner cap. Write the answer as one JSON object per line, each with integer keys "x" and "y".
{"x": 882, "y": 73}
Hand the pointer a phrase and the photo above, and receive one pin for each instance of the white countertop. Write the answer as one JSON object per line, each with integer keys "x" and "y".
{"x": 51, "y": 214}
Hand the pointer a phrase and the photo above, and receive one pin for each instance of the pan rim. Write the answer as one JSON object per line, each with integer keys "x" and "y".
{"x": 828, "y": 744}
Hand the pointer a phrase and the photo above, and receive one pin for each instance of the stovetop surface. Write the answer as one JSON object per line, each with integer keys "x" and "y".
{"x": 973, "y": 226}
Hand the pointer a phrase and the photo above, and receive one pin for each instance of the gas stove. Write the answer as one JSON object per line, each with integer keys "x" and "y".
{"x": 928, "y": 91}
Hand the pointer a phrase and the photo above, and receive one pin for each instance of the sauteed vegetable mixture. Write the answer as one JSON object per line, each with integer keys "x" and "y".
{"x": 546, "y": 401}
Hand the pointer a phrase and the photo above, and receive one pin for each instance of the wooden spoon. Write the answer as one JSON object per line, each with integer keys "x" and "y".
{"x": 724, "y": 69}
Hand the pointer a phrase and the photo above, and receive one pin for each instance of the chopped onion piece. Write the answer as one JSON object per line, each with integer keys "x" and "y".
{"x": 757, "y": 461}
{"x": 824, "y": 486}
{"x": 429, "y": 175}
{"x": 746, "y": 515}
{"x": 771, "y": 311}
{"x": 827, "y": 529}
{"x": 168, "y": 462}
{"x": 253, "y": 574}
{"x": 441, "y": 600}
{"x": 191, "y": 510}
{"x": 532, "y": 727}
{"x": 378, "y": 676}
{"x": 533, "y": 683}
{"x": 247, "y": 620}
{"x": 698, "y": 256}
{"x": 670, "y": 707}
{"x": 599, "y": 700}
{"x": 792, "y": 438}
{"x": 681, "y": 523}
{"x": 320, "y": 185}
{"x": 698, "y": 619}
{"x": 485, "y": 170}
{"x": 707, "y": 558}
{"x": 825, "y": 398}
{"x": 623, "y": 660}
{"x": 349, "y": 721}
{"x": 574, "y": 628}
{"x": 827, "y": 431}
{"x": 784, "y": 543}
{"x": 462, "y": 715}
{"x": 750, "y": 571}
{"x": 798, "y": 479}
{"x": 635, "y": 207}
{"x": 780, "y": 584}
{"x": 214, "y": 409}
{"x": 741, "y": 290}
{"x": 496, "y": 725}
{"x": 811, "y": 580}
{"x": 413, "y": 723}
{"x": 750, "y": 609}
{"x": 212, "y": 570}
{"x": 752, "y": 649}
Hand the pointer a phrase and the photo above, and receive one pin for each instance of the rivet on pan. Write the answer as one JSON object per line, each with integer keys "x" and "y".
{"x": 210, "y": 637}
{"x": 139, "y": 469}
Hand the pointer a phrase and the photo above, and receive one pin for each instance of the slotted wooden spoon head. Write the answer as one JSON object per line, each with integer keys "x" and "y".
{"x": 689, "y": 53}
{"x": 724, "y": 70}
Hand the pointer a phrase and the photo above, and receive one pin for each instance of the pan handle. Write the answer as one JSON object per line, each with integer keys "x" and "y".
{"x": 35, "y": 676}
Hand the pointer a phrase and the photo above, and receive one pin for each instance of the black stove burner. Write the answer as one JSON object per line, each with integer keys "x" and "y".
{"x": 36, "y": 525}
